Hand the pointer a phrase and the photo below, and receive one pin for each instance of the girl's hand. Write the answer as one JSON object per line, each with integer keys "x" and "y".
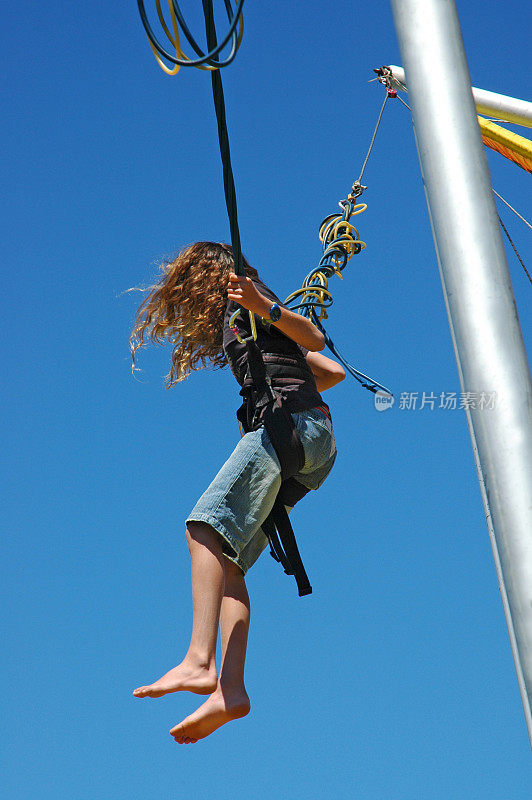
{"x": 244, "y": 292}
{"x": 298, "y": 328}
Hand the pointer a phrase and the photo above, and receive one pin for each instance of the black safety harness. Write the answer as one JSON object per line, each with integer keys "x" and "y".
{"x": 262, "y": 406}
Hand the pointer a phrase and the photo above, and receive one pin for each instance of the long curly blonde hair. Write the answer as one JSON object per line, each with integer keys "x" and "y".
{"x": 186, "y": 308}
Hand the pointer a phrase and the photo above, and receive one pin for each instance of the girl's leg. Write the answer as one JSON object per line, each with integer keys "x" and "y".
{"x": 197, "y": 671}
{"x": 230, "y": 700}
{"x": 234, "y": 628}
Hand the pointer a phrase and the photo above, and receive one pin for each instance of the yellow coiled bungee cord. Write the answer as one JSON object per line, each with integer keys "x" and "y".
{"x": 341, "y": 241}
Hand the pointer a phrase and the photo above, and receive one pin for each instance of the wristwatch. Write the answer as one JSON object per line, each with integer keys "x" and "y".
{"x": 275, "y": 314}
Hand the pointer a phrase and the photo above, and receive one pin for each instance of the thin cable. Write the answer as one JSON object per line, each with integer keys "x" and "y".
{"x": 373, "y": 138}
{"x": 404, "y": 103}
{"x": 499, "y": 121}
{"x": 515, "y": 249}
{"x": 512, "y": 209}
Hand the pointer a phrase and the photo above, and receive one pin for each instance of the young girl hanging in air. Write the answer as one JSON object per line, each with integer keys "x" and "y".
{"x": 190, "y": 307}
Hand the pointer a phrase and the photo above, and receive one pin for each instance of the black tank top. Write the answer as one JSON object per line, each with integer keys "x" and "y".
{"x": 285, "y": 361}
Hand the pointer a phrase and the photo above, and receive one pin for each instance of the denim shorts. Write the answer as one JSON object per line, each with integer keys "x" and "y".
{"x": 243, "y": 492}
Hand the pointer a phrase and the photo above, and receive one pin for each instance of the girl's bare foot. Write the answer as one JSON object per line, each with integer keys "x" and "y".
{"x": 221, "y": 707}
{"x": 183, "y": 678}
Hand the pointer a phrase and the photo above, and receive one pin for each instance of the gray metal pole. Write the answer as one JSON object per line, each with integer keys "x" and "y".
{"x": 478, "y": 294}
{"x": 510, "y": 109}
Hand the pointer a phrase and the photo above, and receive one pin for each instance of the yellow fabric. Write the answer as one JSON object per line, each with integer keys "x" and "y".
{"x": 511, "y": 145}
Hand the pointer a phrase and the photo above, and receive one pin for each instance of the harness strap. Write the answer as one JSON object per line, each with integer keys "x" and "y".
{"x": 276, "y": 550}
{"x": 284, "y": 438}
{"x": 290, "y": 558}
{"x": 263, "y": 407}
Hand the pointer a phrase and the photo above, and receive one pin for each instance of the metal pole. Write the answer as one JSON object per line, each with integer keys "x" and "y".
{"x": 490, "y": 104}
{"x": 478, "y": 294}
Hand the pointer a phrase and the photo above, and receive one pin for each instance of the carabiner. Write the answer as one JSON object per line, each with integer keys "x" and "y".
{"x": 235, "y": 330}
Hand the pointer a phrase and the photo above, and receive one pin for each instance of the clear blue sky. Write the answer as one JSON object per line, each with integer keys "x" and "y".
{"x": 395, "y": 678}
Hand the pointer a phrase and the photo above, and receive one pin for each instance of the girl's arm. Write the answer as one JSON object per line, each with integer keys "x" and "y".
{"x": 326, "y": 371}
{"x": 300, "y": 329}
